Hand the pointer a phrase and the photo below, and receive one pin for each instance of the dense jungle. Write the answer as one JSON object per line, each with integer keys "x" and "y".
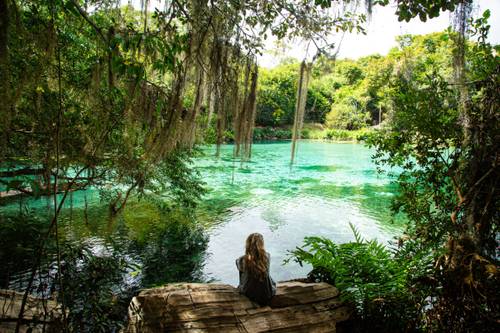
{"x": 143, "y": 141}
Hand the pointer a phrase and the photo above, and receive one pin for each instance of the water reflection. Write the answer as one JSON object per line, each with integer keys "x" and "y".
{"x": 157, "y": 246}
{"x": 330, "y": 186}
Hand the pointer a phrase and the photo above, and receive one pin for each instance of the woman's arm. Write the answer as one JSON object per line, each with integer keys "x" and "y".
{"x": 239, "y": 264}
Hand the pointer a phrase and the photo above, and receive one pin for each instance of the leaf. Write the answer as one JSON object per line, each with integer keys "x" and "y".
{"x": 357, "y": 235}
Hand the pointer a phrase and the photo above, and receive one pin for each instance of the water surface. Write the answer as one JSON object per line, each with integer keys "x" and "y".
{"x": 329, "y": 186}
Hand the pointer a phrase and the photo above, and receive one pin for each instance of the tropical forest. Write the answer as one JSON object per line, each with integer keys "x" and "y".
{"x": 150, "y": 148}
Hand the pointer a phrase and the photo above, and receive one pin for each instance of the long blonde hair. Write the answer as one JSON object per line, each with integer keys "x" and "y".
{"x": 256, "y": 261}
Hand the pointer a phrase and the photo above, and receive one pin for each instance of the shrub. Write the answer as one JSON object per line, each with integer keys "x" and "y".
{"x": 271, "y": 133}
{"x": 306, "y": 133}
{"x": 210, "y": 135}
{"x": 363, "y": 134}
{"x": 347, "y": 115}
{"x": 21, "y": 235}
{"x": 93, "y": 289}
{"x": 369, "y": 276}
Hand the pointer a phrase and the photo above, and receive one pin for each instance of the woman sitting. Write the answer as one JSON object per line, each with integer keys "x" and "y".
{"x": 255, "y": 281}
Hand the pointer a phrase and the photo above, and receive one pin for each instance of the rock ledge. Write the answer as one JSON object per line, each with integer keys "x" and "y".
{"x": 195, "y": 308}
{"x": 39, "y": 315}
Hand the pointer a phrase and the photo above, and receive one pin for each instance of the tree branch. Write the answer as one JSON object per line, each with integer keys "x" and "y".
{"x": 83, "y": 13}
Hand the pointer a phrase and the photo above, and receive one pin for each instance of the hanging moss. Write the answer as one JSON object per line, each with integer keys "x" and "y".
{"x": 240, "y": 111}
{"x": 300, "y": 105}
{"x": 251, "y": 109}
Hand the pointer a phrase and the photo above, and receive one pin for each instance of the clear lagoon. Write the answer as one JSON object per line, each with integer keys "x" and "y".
{"x": 329, "y": 186}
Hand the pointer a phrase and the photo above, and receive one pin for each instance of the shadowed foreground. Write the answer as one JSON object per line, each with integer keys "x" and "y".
{"x": 190, "y": 307}
{"x": 39, "y": 315}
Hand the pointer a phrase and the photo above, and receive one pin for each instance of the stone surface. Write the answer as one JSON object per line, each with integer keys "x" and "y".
{"x": 39, "y": 315}
{"x": 195, "y": 308}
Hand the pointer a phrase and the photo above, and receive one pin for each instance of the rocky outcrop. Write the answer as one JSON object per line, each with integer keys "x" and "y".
{"x": 195, "y": 308}
{"x": 39, "y": 315}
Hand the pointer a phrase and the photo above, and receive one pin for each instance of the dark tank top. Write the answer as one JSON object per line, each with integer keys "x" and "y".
{"x": 258, "y": 291}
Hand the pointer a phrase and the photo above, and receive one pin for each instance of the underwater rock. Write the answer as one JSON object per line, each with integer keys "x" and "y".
{"x": 194, "y": 307}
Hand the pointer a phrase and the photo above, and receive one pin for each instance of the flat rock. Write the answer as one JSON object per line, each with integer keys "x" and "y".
{"x": 195, "y": 308}
{"x": 39, "y": 315}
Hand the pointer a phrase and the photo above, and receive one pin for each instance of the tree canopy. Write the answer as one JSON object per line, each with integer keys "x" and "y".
{"x": 99, "y": 95}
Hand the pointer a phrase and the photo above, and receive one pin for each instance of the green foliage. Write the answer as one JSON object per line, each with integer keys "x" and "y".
{"x": 210, "y": 135}
{"x": 75, "y": 94}
{"x": 21, "y": 235}
{"x": 347, "y": 116}
{"x": 174, "y": 253}
{"x": 408, "y": 9}
{"x": 277, "y": 95}
{"x": 443, "y": 275}
{"x": 176, "y": 181}
{"x": 149, "y": 244}
{"x": 348, "y": 94}
{"x": 423, "y": 139}
{"x": 441, "y": 137}
{"x": 361, "y": 90}
{"x": 77, "y": 79}
{"x": 368, "y": 275}
{"x": 349, "y": 72}
{"x": 271, "y": 133}
{"x": 345, "y": 135}
{"x": 92, "y": 292}
{"x": 423, "y": 144}
{"x": 313, "y": 132}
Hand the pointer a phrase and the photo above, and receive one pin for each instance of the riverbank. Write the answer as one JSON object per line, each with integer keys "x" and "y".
{"x": 312, "y": 131}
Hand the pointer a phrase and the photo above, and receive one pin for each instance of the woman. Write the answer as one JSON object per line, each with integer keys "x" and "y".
{"x": 255, "y": 281}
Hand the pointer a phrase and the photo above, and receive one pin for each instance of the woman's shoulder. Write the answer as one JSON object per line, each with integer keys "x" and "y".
{"x": 239, "y": 262}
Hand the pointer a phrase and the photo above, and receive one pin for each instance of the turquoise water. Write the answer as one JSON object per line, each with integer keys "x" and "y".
{"x": 329, "y": 186}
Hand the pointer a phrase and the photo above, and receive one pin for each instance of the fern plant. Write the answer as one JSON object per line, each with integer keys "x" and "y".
{"x": 368, "y": 276}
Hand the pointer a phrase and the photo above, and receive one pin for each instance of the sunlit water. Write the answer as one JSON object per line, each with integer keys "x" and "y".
{"x": 329, "y": 186}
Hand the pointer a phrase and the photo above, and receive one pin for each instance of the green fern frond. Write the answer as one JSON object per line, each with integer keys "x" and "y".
{"x": 357, "y": 234}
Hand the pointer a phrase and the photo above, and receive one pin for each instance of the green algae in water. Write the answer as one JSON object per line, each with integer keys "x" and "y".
{"x": 320, "y": 168}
